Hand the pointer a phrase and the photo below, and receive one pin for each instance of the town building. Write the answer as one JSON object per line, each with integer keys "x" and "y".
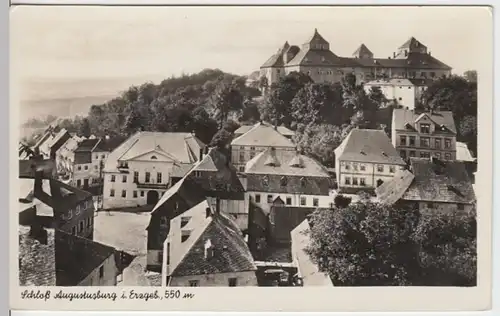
{"x": 250, "y": 141}
{"x": 424, "y": 135}
{"x": 57, "y": 205}
{"x": 65, "y": 156}
{"x": 364, "y": 160}
{"x": 397, "y": 91}
{"x": 212, "y": 179}
{"x": 314, "y": 58}
{"x": 139, "y": 171}
{"x": 206, "y": 248}
{"x": 52, "y": 257}
{"x": 296, "y": 179}
{"x": 430, "y": 185}
{"x": 51, "y": 141}
{"x": 308, "y": 273}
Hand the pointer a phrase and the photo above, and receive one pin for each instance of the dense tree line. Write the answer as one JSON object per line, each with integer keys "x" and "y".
{"x": 370, "y": 244}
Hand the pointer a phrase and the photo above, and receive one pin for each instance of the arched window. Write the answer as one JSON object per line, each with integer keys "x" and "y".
{"x": 154, "y": 157}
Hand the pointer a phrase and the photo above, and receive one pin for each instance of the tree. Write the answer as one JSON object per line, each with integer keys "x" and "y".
{"x": 316, "y": 103}
{"x": 364, "y": 244}
{"x": 133, "y": 122}
{"x": 263, "y": 83}
{"x": 250, "y": 112}
{"x": 377, "y": 96}
{"x": 85, "y": 128}
{"x": 447, "y": 248}
{"x": 226, "y": 98}
{"x": 467, "y": 132}
{"x": 221, "y": 139}
{"x": 341, "y": 201}
{"x": 471, "y": 75}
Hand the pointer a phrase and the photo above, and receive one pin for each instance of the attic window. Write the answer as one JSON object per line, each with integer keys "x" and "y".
{"x": 362, "y": 152}
{"x": 185, "y": 220}
{"x": 154, "y": 157}
{"x": 185, "y": 235}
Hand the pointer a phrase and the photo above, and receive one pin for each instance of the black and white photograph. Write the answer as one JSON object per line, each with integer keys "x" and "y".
{"x": 182, "y": 147}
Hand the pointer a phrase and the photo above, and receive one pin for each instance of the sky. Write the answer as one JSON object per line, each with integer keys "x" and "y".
{"x": 85, "y": 50}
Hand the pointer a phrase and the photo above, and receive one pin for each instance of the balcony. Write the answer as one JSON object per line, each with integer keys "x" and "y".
{"x": 150, "y": 185}
{"x": 122, "y": 167}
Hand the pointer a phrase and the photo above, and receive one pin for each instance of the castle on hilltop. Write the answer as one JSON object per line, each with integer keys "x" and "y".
{"x": 412, "y": 61}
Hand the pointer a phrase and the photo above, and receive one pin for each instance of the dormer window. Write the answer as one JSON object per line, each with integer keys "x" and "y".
{"x": 185, "y": 235}
{"x": 425, "y": 128}
{"x": 184, "y": 220}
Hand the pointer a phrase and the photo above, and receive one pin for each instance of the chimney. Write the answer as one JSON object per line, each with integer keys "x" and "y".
{"x": 201, "y": 154}
{"x": 393, "y": 54}
{"x": 209, "y": 250}
{"x": 208, "y": 212}
{"x": 38, "y": 181}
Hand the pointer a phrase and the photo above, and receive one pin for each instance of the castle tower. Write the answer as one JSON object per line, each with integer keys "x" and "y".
{"x": 316, "y": 42}
{"x": 411, "y": 46}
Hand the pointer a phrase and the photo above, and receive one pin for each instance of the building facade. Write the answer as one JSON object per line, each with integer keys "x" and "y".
{"x": 365, "y": 159}
{"x": 139, "y": 171}
{"x": 400, "y": 91}
{"x": 314, "y": 57}
{"x": 424, "y": 135}
{"x": 250, "y": 141}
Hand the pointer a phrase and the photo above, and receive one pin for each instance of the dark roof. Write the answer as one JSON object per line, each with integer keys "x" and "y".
{"x": 405, "y": 116}
{"x": 324, "y": 58}
{"x": 439, "y": 181}
{"x": 28, "y": 167}
{"x": 362, "y": 50}
{"x": 393, "y": 190}
{"x": 276, "y": 60}
{"x": 65, "y": 259}
{"x": 82, "y": 157}
{"x": 87, "y": 145}
{"x": 367, "y": 145}
{"x": 59, "y": 139}
{"x": 287, "y": 218}
{"x": 411, "y": 43}
{"x": 294, "y": 184}
{"x": 231, "y": 253}
{"x": 109, "y": 144}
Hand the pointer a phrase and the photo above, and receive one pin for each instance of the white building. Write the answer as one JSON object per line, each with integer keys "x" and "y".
{"x": 139, "y": 171}
{"x": 296, "y": 179}
{"x": 365, "y": 159}
{"x": 402, "y": 91}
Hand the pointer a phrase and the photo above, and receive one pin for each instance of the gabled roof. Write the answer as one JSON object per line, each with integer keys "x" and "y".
{"x": 184, "y": 147}
{"x": 411, "y": 43}
{"x": 362, "y": 50}
{"x": 231, "y": 253}
{"x": 283, "y": 130}
{"x": 323, "y": 58}
{"x": 262, "y": 134}
{"x": 439, "y": 181}
{"x": 59, "y": 139}
{"x": 316, "y": 37}
{"x": 393, "y": 190}
{"x": 307, "y": 269}
{"x": 87, "y": 145}
{"x": 405, "y": 116}
{"x": 64, "y": 260}
{"x": 109, "y": 144}
{"x": 368, "y": 145}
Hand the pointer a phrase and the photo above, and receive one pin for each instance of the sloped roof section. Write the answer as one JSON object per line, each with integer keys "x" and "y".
{"x": 262, "y": 134}
{"x": 405, "y": 116}
{"x": 362, "y": 50}
{"x": 393, "y": 190}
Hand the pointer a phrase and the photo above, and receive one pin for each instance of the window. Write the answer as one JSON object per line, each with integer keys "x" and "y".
{"x": 354, "y": 181}
{"x": 362, "y": 181}
{"x": 77, "y": 209}
{"x": 168, "y": 253}
{"x": 412, "y": 140}
{"x": 88, "y": 222}
{"x": 270, "y": 198}
{"x": 194, "y": 283}
{"x": 86, "y": 167}
{"x": 113, "y": 178}
{"x": 447, "y": 143}
{"x": 78, "y": 183}
{"x": 303, "y": 182}
{"x": 242, "y": 156}
{"x": 96, "y": 156}
{"x": 233, "y": 282}
{"x": 402, "y": 153}
{"x": 437, "y": 143}
{"x": 154, "y": 158}
{"x": 283, "y": 181}
{"x": 347, "y": 166}
{"x": 447, "y": 156}
{"x": 124, "y": 179}
{"x": 315, "y": 202}
{"x": 347, "y": 180}
{"x": 124, "y": 194}
{"x": 302, "y": 201}
{"x": 424, "y": 142}
{"x": 412, "y": 153}
{"x": 355, "y": 166}
{"x": 241, "y": 168}
{"x": 95, "y": 167}
{"x": 136, "y": 176}
{"x": 101, "y": 272}
{"x": 430, "y": 205}
{"x": 148, "y": 176}
{"x": 380, "y": 168}
{"x": 80, "y": 227}
{"x": 184, "y": 220}
{"x": 142, "y": 193}
{"x": 158, "y": 177}
{"x": 392, "y": 169}
{"x": 112, "y": 192}
{"x": 433, "y": 74}
{"x": 425, "y": 154}
{"x": 257, "y": 198}
{"x": 425, "y": 128}
{"x": 185, "y": 236}
{"x": 402, "y": 140}
{"x": 79, "y": 168}
{"x": 460, "y": 207}
{"x": 73, "y": 230}
{"x": 134, "y": 194}
{"x": 103, "y": 156}
{"x": 362, "y": 167}
{"x": 288, "y": 200}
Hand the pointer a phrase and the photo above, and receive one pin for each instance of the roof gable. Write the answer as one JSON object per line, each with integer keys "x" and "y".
{"x": 262, "y": 135}
{"x": 157, "y": 154}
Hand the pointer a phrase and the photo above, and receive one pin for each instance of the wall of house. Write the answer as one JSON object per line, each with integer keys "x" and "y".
{"x": 82, "y": 172}
{"x": 425, "y": 206}
{"x": 405, "y": 95}
{"x": 110, "y": 271}
{"x": 323, "y": 200}
{"x": 416, "y": 150}
{"x": 235, "y": 208}
{"x": 272, "y": 74}
{"x": 78, "y": 220}
{"x": 240, "y": 155}
{"x": 245, "y": 278}
{"x": 370, "y": 175}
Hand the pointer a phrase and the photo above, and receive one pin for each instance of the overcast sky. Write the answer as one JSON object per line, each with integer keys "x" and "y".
{"x": 132, "y": 42}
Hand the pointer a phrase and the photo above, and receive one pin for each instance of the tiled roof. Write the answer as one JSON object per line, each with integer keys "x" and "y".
{"x": 316, "y": 37}
{"x": 286, "y": 219}
{"x": 27, "y": 197}
{"x": 283, "y": 130}
{"x": 411, "y": 42}
{"x": 109, "y": 144}
{"x": 182, "y": 147}
{"x": 231, "y": 253}
{"x": 439, "y": 181}
{"x": 59, "y": 139}
{"x": 307, "y": 269}
{"x": 87, "y": 145}
{"x": 285, "y": 162}
{"x": 276, "y": 60}
{"x": 367, "y": 145}
{"x": 37, "y": 261}
{"x": 404, "y": 116}
{"x": 262, "y": 134}
{"x": 393, "y": 190}
{"x": 463, "y": 152}
{"x": 294, "y": 184}
{"x": 362, "y": 50}
{"x": 179, "y": 170}
{"x": 323, "y": 58}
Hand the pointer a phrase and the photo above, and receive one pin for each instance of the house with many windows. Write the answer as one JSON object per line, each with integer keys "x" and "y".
{"x": 249, "y": 142}
{"x": 139, "y": 171}
{"x": 424, "y": 135}
{"x": 365, "y": 159}
{"x": 290, "y": 176}
{"x": 430, "y": 185}
{"x": 206, "y": 248}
